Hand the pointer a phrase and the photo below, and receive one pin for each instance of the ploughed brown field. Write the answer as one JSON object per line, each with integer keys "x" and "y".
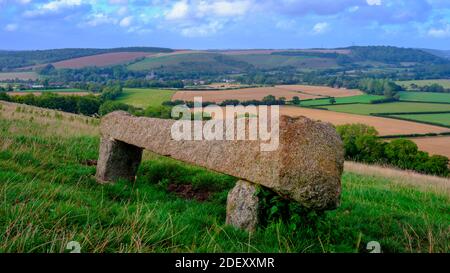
{"x": 288, "y": 91}
{"x": 384, "y": 126}
{"x": 434, "y": 145}
{"x": 106, "y": 59}
{"x": 322, "y": 90}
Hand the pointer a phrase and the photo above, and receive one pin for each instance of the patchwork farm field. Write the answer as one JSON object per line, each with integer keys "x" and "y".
{"x": 101, "y": 60}
{"x": 266, "y": 61}
{"x": 407, "y": 84}
{"x": 343, "y": 100}
{"x": 145, "y": 97}
{"x": 44, "y": 208}
{"x": 443, "y": 119}
{"x": 425, "y": 96}
{"x": 323, "y": 91}
{"x": 4, "y": 76}
{"x": 174, "y": 60}
{"x": 393, "y": 107}
{"x": 64, "y": 93}
{"x": 246, "y": 94}
{"x": 434, "y": 145}
{"x": 68, "y": 90}
{"x": 385, "y": 126}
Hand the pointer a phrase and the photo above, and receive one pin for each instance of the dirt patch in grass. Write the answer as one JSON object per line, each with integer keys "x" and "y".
{"x": 187, "y": 191}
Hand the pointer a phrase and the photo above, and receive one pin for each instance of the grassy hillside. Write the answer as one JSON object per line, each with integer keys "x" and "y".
{"x": 270, "y": 61}
{"x": 199, "y": 62}
{"x": 16, "y": 59}
{"x": 49, "y": 197}
{"x": 145, "y": 97}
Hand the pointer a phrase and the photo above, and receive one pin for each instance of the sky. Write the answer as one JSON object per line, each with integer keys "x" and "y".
{"x": 223, "y": 24}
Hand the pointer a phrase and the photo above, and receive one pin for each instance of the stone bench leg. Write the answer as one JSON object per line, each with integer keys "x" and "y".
{"x": 242, "y": 206}
{"x": 117, "y": 160}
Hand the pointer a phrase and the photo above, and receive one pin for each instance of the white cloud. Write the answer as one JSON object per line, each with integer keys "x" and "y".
{"x": 285, "y": 24}
{"x": 11, "y": 27}
{"x": 118, "y": 2}
{"x": 179, "y": 11}
{"x": 60, "y": 4}
{"x": 53, "y": 7}
{"x": 224, "y": 8}
{"x": 202, "y": 30}
{"x": 122, "y": 11}
{"x": 126, "y": 22}
{"x": 99, "y": 19}
{"x": 321, "y": 27}
{"x": 374, "y": 2}
{"x": 442, "y": 32}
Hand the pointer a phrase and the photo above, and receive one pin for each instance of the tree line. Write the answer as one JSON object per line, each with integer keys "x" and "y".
{"x": 362, "y": 144}
{"x": 89, "y": 105}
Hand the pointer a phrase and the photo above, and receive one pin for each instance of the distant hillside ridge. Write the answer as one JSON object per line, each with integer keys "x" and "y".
{"x": 11, "y": 59}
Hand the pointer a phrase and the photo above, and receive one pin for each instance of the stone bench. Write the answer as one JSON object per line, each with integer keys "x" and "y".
{"x": 306, "y": 167}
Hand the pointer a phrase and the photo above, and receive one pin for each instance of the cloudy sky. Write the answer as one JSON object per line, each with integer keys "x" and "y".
{"x": 207, "y": 24}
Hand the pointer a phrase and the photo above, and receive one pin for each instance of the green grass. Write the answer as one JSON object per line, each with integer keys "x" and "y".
{"x": 49, "y": 197}
{"x": 145, "y": 97}
{"x": 443, "y": 119}
{"x": 394, "y": 107}
{"x": 407, "y": 84}
{"x": 425, "y": 96}
{"x": 352, "y": 99}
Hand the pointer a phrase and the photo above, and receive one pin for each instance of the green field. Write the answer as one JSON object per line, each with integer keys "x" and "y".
{"x": 353, "y": 99}
{"x": 443, "y": 119}
{"x": 49, "y": 197}
{"x": 145, "y": 97}
{"x": 425, "y": 96}
{"x": 407, "y": 84}
{"x": 393, "y": 107}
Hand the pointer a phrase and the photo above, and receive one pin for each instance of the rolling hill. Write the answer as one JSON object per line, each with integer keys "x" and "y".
{"x": 49, "y": 197}
{"x": 20, "y": 59}
{"x": 224, "y": 61}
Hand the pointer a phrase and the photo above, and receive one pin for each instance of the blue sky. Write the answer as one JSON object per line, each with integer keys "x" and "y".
{"x": 211, "y": 24}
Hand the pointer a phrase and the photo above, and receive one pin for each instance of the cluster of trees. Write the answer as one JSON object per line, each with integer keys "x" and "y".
{"x": 379, "y": 87}
{"x": 362, "y": 144}
{"x": 144, "y": 83}
{"x": 86, "y": 105}
{"x": 7, "y": 88}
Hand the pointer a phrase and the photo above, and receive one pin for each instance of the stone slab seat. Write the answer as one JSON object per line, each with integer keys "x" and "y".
{"x": 306, "y": 167}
